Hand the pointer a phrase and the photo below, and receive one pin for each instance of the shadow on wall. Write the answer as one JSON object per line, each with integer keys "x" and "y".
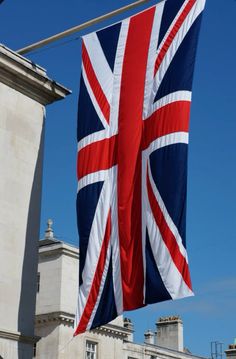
{"x": 27, "y": 304}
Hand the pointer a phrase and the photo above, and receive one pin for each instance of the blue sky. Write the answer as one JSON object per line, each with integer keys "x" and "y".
{"x": 211, "y": 215}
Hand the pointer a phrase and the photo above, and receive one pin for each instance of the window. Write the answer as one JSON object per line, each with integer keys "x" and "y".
{"x": 38, "y": 281}
{"x": 34, "y": 350}
{"x": 91, "y": 350}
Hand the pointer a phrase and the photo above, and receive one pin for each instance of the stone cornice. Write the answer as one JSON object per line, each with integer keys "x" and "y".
{"x": 113, "y": 330}
{"x": 58, "y": 249}
{"x": 68, "y": 319}
{"x": 28, "y": 78}
{"x": 58, "y": 317}
{"x": 17, "y": 336}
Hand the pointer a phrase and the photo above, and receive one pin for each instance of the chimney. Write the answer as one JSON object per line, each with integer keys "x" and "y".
{"x": 149, "y": 337}
{"x": 231, "y": 351}
{"x": 170, "y": 333}
{"x": 129, "y": 325}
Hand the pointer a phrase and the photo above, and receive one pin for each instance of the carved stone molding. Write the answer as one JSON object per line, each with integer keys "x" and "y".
{"x": 28, "y": 78}
{"x": 17, "y": 336}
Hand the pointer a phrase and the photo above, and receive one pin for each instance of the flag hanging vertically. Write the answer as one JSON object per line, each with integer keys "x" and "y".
{"x": 133, "y": 122}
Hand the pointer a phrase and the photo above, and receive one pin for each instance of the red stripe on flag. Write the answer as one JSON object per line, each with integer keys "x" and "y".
{"x": 95, "y": 85}
{"x": 170, "y": 118}
{"x": 172, "y": 34}
{"x": 129, "y": 158}
{"x": 168, "y": 237}
{"x": 94, "y": 291}
{"x": 97, "y": 156}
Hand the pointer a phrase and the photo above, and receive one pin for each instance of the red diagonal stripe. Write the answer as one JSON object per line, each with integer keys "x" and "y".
{"x": 172, "y": 34}
{"x": 98, "y": 156}
{"x": 168, "y": 237}
{"x": 170, "y": 118}
{"x": 94, "y": 291}
{"x": 95, "y": 85}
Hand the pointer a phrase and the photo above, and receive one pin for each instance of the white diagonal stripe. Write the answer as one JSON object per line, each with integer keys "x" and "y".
{"x": 166, "y": 215}
{"x": 103, "y": 280}
{"x": 170, "y": 274}
{"x": 99, "y": 62}
{"x": 96, "y": 238}
{"x": 179, "y": 37}
{"x": 152, "y": 56}
{"x": 93, "y": 99}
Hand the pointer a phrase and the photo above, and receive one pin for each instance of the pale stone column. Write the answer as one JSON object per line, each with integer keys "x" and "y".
{"x": 24, "y": 91}
{"x": 170, "y": 333}
{"x": 149, "y": 337}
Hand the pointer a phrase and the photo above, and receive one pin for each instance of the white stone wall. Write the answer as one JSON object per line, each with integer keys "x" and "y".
{"x": 57, "y": 342}
{"x": 24, "y": 90}
{"x": 58, "y": 279}
{"x": 69, "y": 283}
{"x": 21, "y": 121}
{"x": 47, "y": 347}
{"x": 49, "y": 298}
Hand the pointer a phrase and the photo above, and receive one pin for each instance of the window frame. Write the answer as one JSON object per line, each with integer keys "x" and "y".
{"x": 91, "y": 350}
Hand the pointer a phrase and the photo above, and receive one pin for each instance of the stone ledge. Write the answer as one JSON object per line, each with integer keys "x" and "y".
{"x": 17, "y": 336}
{"x": 58, "y": 248}
{"x": 68, "y": 319}
{"x": 55, "y": 317}
{"x": 28, "y": 78}
{"x": 112, "y": 330}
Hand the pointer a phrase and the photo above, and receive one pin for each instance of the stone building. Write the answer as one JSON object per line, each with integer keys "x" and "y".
{"x": 55, "y": 310}
{"x": 231, "y": 351}
{"x": 25, "y": 90}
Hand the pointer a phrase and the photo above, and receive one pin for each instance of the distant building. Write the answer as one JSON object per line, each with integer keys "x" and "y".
{"x": 231, "y": 351}
{"x": 55, "y": 311}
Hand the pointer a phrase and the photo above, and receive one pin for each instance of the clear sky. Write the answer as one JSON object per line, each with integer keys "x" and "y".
{"x": 211, "y": 215}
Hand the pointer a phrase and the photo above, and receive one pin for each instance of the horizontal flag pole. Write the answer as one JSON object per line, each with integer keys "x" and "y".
{"x": 78, "y": 28}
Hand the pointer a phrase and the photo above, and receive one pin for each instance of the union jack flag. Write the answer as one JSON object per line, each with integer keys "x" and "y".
{"x": 133, "y": 122}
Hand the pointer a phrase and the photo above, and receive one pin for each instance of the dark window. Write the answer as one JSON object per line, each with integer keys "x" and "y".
{"x": 91, "y": 350}
{"x": 34, "y": 350}
{"x": 38, "y": 282}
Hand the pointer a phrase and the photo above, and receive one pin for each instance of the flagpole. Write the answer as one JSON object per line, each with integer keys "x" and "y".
{"x": 77, "y": 28}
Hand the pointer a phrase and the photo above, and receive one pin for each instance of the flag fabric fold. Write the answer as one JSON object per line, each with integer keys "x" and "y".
{"x": 133, "y": 122}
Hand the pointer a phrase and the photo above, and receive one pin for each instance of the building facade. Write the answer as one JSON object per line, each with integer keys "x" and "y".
{"x": 25, "y": 90}
{"x": 58, "y": 269}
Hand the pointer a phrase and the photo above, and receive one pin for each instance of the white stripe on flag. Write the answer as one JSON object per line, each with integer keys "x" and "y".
{"x": 166, "y": 215}
{"x": 99, "y": 62}
{"x": 117, "y": 282}
{"x": 169, "y": 273}
{"x": 96, "y": 238}
{"x": 151, "y": 58}
{"x": 93, "y": 99}
{"x": 179, "y": 37}
{"x": 115, "y": 101}
{"x": 170, "y": 98}
{"x": 103, "y": 280}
